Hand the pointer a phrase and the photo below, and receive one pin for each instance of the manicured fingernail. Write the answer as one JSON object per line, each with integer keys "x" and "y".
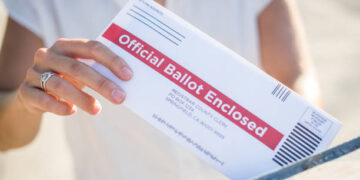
{"x": 73, "y": 109}
{"x": 127, "y": 73}
{"x": 118, "y": 95}
{"x": 97, "y": 107}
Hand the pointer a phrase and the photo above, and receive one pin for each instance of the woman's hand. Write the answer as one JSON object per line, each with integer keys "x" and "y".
{"x": 63, "y": 90}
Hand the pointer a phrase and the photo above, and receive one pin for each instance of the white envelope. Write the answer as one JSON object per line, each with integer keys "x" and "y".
{"x": 228, "y": 112}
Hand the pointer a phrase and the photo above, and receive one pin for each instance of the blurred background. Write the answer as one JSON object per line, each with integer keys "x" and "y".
{"x": 333, "y": 34}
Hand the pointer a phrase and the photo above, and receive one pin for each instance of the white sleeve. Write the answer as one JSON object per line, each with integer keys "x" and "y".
{"x": 24, "y": 12}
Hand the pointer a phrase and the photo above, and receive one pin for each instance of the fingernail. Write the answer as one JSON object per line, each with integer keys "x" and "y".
{"x": 73, "y": 109}
{"x": 97, "y": 107}
{"x": 118, "y": 95}
{"x": 127, "y": 73}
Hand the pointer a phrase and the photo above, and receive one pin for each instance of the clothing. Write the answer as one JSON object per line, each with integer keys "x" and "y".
{"x": 116, "y": 144}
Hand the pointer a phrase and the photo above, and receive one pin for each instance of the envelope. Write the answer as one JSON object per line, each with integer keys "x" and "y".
{"x": 229, "y": 113}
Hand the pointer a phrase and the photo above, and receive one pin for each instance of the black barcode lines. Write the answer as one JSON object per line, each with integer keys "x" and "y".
{"x": 281, "y": 92}
{"x": 299, "y": 144}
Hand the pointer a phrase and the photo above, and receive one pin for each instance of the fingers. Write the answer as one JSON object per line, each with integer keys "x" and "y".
{"x": 94, "y": 50}
{"x": 67, "y": 91}
{"x": 64, "y": 89}
{"x": 85, "y": 75}
{"x": 39, "y": 101}
{"x": 63, "y": 92}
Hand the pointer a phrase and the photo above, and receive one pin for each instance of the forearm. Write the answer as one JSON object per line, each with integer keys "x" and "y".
{"x": 18, "y": 126}
{"x": 284, "y": 53}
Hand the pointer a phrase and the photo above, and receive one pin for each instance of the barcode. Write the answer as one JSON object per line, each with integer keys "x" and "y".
{"x": 281, "y": 92}
{"x": 299, "y": 144}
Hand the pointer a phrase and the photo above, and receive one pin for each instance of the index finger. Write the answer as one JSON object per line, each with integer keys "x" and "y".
{"x": 89, "y": 49}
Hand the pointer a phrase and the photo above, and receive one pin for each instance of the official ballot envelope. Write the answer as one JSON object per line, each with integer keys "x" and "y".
{"x": 212, "y": 101}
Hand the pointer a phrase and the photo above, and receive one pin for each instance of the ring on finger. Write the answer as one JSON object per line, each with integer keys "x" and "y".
{"x": 44, "y": 78}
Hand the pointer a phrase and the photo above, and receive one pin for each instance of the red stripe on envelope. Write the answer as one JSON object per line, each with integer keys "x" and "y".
{"x": 270, "y": 138}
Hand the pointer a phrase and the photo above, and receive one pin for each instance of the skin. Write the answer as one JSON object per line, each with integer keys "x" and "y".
{"x": 22, "y": 102}
{"x": 283, "y": 49}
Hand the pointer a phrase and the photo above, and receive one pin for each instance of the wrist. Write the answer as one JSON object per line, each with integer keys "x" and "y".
{"x": 18, "y": 125}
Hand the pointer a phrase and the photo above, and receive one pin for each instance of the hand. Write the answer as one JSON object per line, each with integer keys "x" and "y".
{"x": 63, "y": 90}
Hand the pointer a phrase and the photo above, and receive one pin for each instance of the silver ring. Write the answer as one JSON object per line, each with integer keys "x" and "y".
{"x": 44, "y": 78}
